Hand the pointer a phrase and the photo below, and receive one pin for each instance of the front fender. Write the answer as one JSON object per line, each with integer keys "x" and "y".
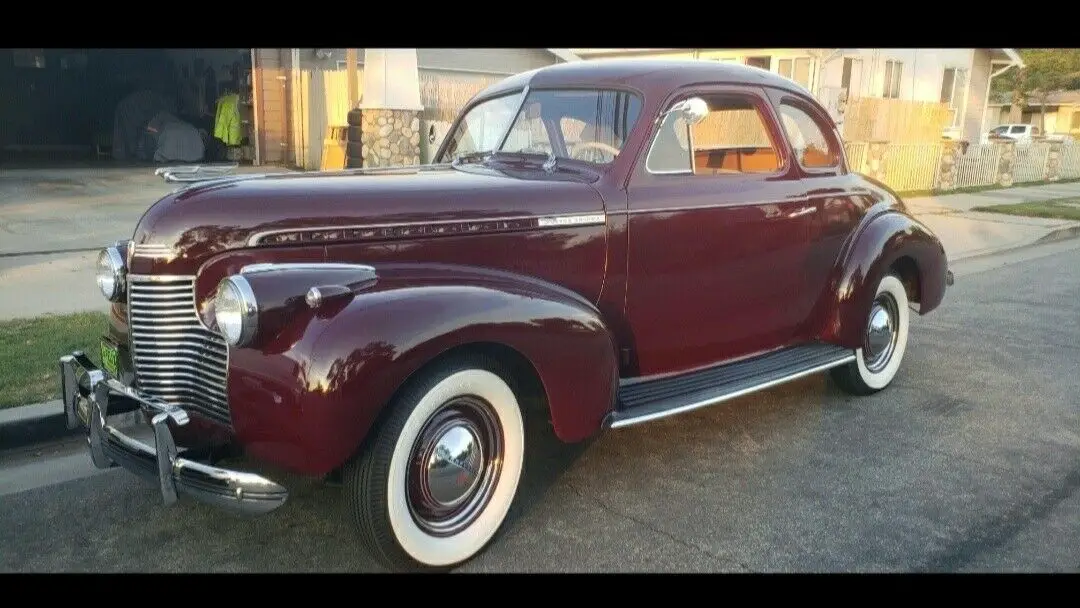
{"x": 354, "y": 354}
{"x": 884, "y": 238}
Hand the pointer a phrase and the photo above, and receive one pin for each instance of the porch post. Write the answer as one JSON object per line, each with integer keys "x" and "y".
{"x": 351, "y": 76}
{"x": 388, "y": 115}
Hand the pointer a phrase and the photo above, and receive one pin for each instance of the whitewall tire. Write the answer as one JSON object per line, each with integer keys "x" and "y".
{"x": 885, "y": 335}
{"x": 434, "y": 485}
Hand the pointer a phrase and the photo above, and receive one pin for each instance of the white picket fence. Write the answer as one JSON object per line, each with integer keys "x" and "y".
{"x": 910, "y": 167}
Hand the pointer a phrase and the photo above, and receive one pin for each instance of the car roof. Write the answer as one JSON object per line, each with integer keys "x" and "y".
{"x": 650, "y": 76}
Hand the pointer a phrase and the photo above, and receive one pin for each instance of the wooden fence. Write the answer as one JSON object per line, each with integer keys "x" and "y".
{"x": 894, "y": 120}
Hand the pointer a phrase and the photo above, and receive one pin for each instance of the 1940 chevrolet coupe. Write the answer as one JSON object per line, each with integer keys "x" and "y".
{"x": 618, "y": 241}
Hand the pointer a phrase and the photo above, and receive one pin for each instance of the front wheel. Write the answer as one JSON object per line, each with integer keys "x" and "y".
{"x": 884, "y": 341}
{"x": 434, "y": 485}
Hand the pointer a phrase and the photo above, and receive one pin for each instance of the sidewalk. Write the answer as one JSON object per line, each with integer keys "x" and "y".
{"x": 967, "y": 233}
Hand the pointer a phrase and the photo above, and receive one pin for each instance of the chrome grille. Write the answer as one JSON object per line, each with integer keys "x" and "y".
{"x": 152, "y": 251}
{"x": 176, "y": 359}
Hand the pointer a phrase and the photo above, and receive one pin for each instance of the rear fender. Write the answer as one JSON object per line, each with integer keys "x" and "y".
{"x": 354, "y": 352}
{"x": 884, "y": 237}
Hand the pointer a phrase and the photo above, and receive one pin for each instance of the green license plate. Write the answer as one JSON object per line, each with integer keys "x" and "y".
{"x": 110, "y": 358}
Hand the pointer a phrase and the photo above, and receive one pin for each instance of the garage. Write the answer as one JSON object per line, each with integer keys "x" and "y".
{"x": 126, "y": 106}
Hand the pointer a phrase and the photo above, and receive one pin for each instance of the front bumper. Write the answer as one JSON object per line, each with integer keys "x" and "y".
{"x": 91, "y": 395}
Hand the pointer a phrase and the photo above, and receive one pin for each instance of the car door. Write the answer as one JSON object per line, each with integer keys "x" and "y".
{"x": 834, "y": 194}
{"x": 718, "y": 226}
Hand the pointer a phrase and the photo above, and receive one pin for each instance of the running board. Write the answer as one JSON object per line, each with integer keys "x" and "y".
{"x": 647, "y": 400}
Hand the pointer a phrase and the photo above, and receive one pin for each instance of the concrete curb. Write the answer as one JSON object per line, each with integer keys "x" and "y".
{"x": 29, "y": 424}
{"x": 1061, "y": 234}
{"x": 1056, "y": 235}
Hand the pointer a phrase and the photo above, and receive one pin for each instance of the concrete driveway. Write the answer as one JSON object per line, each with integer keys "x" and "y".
{"x": 969, "y": 462}
{"x": 53, "y": 222}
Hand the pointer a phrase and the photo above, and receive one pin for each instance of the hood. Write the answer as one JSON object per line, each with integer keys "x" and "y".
{"x": 201, "y": 221}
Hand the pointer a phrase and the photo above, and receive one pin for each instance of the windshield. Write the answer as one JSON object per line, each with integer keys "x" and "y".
{"x": 583, "y": 124}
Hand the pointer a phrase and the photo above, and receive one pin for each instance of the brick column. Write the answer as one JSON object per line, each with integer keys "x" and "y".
{"x": 1053, "y": 162}
{"x": 1006, "y": 154}
{"x": 875, "y": 159}
{"x": 947, "y": 166}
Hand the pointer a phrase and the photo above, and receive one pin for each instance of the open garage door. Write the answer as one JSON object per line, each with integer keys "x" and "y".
{"x": 126, "y": 106}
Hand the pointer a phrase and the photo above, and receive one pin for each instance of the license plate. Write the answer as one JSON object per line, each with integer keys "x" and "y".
{"x": 110, "y": 358}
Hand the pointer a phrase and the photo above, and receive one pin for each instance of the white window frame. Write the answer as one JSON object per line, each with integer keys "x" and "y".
{"x": 956, "y": 97}
{"x": 854, "y": 89}
{"x": 892, "y": 76}
{"x": 793, "y": 59}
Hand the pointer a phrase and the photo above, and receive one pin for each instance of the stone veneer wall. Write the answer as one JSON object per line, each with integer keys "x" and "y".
{"x": 1053, "y": 162}
{"x": 1007, "y": 153}
{"x": 947, "y": 167}
{"x": 390, "y": 138}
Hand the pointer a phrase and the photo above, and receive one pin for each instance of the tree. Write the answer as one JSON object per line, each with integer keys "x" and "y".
{"x": 1045, "y": 71}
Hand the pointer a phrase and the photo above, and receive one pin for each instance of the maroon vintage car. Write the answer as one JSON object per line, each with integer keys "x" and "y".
{"x": 614, "y": 241}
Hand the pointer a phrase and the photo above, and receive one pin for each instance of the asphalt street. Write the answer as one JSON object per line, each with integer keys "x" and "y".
{"x": 969, "y": 462}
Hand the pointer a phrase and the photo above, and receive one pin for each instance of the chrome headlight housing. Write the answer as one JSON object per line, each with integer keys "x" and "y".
{"x": 112, "y": 273}
{"x": 236, "y": 313}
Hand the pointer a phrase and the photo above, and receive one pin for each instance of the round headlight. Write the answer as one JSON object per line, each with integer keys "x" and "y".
{"x": 235, "y": 311}
{"x": 110, "y": 273}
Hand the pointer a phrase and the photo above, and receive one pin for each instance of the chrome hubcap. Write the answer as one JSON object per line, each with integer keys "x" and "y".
{"x": 454, "y": 466}
{"x": 881, "y": 333}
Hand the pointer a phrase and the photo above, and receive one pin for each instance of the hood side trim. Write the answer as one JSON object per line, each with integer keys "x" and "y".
{"x": 364, "y": 232}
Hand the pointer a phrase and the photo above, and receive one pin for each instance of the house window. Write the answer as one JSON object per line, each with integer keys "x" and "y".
{"x": 797, "y": 69}
{"x": 759, "y": 62}
{"x": 807, "y": 137}
{"x": 851, "y": 77}
{"x": 893, "y": 71}
{"x": 731, "y": 140}
{"x": 953, "y": 83}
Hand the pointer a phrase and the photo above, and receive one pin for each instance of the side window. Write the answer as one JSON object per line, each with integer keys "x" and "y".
{"x": 731, "y": 139}
{"x": 670, "y": 149}
{"x": 812, "y": 149}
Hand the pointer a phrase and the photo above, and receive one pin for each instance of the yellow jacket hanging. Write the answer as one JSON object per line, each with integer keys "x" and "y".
{"x": 227, "y": 125}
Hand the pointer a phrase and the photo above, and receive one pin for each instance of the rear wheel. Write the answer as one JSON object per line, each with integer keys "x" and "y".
{"x": 433, "y": 486}
{"x": 884, "y": 342}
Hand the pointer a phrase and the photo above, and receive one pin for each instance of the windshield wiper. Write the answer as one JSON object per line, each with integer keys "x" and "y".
{"x": 470, "y": 157}
{"x": 551, "y": 163}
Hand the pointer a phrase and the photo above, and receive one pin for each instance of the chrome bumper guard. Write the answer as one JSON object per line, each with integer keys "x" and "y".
{"x": 91, "y": 395}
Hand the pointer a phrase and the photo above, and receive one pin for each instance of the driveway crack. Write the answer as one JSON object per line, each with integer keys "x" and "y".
{"x": 608, "y": 509}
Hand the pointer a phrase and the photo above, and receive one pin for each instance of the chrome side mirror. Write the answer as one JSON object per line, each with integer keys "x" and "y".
{"x": 692, "y": 110}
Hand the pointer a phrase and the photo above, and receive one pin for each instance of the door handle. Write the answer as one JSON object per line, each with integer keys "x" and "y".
{"x": 802, "y": 212}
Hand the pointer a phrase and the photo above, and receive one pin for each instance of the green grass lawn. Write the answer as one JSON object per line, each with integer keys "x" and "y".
{"x": 1058, "y": 209}
{"x": 30, "y": 350}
